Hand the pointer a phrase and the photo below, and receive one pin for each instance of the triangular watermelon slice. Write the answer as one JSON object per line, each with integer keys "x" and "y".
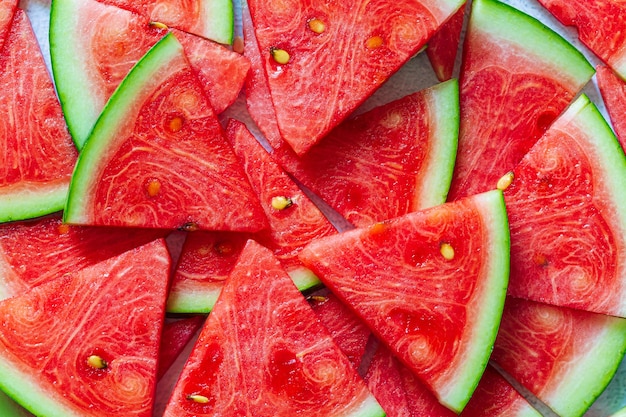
{"x": 36, "y": 149}
{"x": 566, "y": 208}
{"x": 86, "y": 344}
{"x": 565, "y": 357}
{"x": 93, "y": 46}
{"x": 443, "y": 46}
{"x": 177, "y": 333}
{"x": 613, "y": 91}
{"x": 263, "y": 352}
{"x": 517, "y": 76}
{"x": 600, "y": 25}
{"x": 429, "y": 284}
{"x": 321, "y": 60}
{"x": 157, "y": 156}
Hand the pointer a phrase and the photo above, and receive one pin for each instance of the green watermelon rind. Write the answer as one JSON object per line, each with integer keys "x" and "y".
{"x": 592, "y": 372}
{"x": 9, "y": 408}
{"x": 368, "y": 408}
{"x": 509, "y": 25}
{"x": 122, "y": 106}
{"x": 488, "y": 304}
{"x": 30, "y": 202}
{"x": 220, "y": 30}
{"x": 438, "y": 169}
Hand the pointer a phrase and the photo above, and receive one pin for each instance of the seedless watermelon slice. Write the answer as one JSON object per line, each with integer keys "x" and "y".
{"x": 36, "y": 149}
{"x": 443, "y": 46}
{"x": 263, "y": 352}
{"x": 157, "y": 156}
{"x": 112, "y": 311}
{"x": 565, "y": 357}
{"x": 566, "y": 208}
{"x": 429, "y": 284}
{"x": 321, "y": 59}
{"x": 517, "y": 76}
{"x": 613, "y": 90}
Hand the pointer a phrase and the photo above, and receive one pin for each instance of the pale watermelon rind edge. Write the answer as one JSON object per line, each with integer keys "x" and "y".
{"x": 592, "y": 373}
{"x": 439, "y": 168}
{"x": 489, "y": 304}
{"x": 508, "y": 24}
{"x": 220, "y": 30}
{"x": 107, "y": 125}
{"x": 43, "y": 199}
{"x": 368, "y": 408}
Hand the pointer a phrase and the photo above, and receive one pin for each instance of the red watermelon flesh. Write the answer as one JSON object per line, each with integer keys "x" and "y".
{"x": 315, "y": 89}
{"x": 177, "y": 333}
{"x": 517, "y": 76}
{"x": 566, "y": 216}
{"x": 7, "y": 11}
{"x": 613, "y": 90}
{"x": 113, "y": 310}
{"x": 443, "y": 46}
{"x": 38, "y": 251}
{"x": 420, "y": 282}
{"x": 600, "y": 25}
{"x": 563, "y": 356}
{"x": 37, "y": 152}
{"x": 292, "y": 367}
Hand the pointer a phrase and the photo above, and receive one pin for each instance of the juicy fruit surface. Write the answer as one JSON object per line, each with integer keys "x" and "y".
{"x": 443, "y": 46}
{"x": 613, "y": 90}
{"x": 290, "y": 368}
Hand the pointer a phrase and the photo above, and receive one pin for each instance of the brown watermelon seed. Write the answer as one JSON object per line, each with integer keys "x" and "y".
{"x": 281, "y": 202}
{"x": 505, "y": 181}
{"x": 159, "y": 25}
{"x": 238, "y": 45}
{"x": 280, "y": 55}
{"x": 189, "y": 227}
{"x": 374, "y": 42}
{"x": 96, "y": 362}
{"x": 175, "y": 124}
{"x": 197, "y": 398}
{"x": 153, "y": 187}
{"x": 63, "y": 229}
{"x": 317, "y": 25}
{"x": 447, "y": 251}
{"x": 224, "y": 248}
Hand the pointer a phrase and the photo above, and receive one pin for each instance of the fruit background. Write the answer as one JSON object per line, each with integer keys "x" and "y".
{"x": 414, "y": 76}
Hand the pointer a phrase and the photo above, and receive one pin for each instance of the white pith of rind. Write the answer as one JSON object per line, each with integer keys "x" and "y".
{"x": 219, "y": 20}
{"x": 23, "y": 202}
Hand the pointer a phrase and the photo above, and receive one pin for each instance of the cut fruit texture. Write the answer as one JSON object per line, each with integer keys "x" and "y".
{"x": 36, "y": 149}
{"x": 37, "y": 251}
{"x": 7, "y": 11}
{"x": 313, "y": 89}
{"x": 50, "y": 332}
{"x": 177, "y": 333}
{"x": 94, "y": 46}
{"x": 563, "y": 356}
{"x": 443, "y": 46}
{"x": 389, "y": 161}
{"x": 158, "y": 158}
{"x": 566, "y": 212}
{"x": 291, "y": 368}
{"x": 600, "y": 25}
{"x": 397, "y": 277}
{"x": 517, "y": 76}
{"x": 613, "y": 90}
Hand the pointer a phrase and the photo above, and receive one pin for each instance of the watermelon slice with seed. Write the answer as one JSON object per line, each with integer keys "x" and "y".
{"x": 517, "y": 76}
{"x": 430, "y": 285}
{"x": 158, "y": 158}
{"x": 94, "y": 46}
{"x": 565, "y": 357}
{"x": 292, "y": 367}
{"x": 566, "y": 205}
{"x": 443, "y": 46}
{"x": 86, "y": 344}
{"x": 321, "y": 60}
{"x": 613, "y": 91}
{"x": 600, "y": 25}
{"x": 389, "y": 161}
{"x": 36, "y": 149}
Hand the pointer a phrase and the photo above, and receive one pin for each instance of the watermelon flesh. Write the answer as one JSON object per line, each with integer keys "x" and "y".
{"x": 613, "y": 90}
{"x": 7, "y": 11}
{"x": 291, "y": 368}
{"x": 49, "y": 333}
{"x": 444, "y": 44}
{"x": 37, "y": 152}
{"x": 177, "y": 333}
{"x": 517, "y": 76}
{"x": 396, "y": 276}
{"x": 570, "y": 251}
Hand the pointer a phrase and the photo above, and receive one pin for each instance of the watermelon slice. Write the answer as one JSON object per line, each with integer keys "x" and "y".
{"x": 429, "y": 284}
{"x": 321, "y": 60}
{"x": 37, "y": 151}
{"x": 600, "y": 25}
{"x": 392, "y": 160}
{"x": 82, "y": 345}
{"x": 7, "y": 11}
{"x": 94, "y": 46}
{"x": 157, "y": 156}
{"x": 613, "y": 90}
{"x": 566, "y": 206}
{"x": 292, "y": 367}
{"x": 517, "y": 76}
{"x": 565, "y": 357}
{"x": 177, "y": 333}
{"x": 443, "y": 46}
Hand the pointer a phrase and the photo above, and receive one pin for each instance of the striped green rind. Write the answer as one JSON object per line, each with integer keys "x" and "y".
{"x": 506, "y": 24}
{"x": 25, "y": 202}
{"x": 219, "y": 15}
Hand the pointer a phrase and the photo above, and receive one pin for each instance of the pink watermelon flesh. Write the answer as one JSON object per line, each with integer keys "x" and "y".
{"x": 395, "y": 277}
{"x": 600, "y": 25}
{"x": 39, "y": 251}
{"x": 292, "y": 367}
{"x": 316, "y": 89}
{"x": 37, "y": 152}
{"x": 509, "y": 97}
{"x": 7, "y": 11}
{"x": 613, "y": 90}
{"x": 569, "y": 251}
{"x": 547, "y": 349}
{"x": 443, "y": 46}
{"x": 114, "y": 310}
{"x": 177, "y": 333}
